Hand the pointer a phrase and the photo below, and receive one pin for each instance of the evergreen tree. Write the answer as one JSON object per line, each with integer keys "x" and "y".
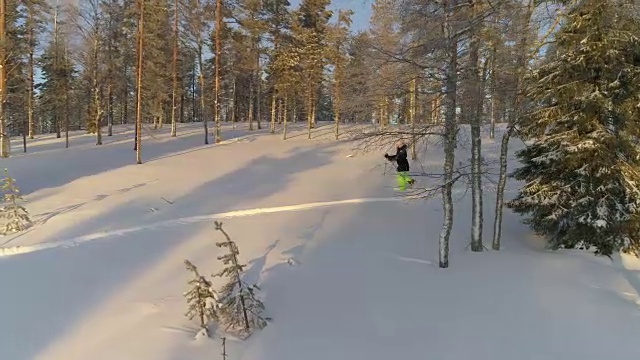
{"x": 240, "y": 310}
{"x": 17, "y": 216}
{"x": 581, "y": 172}
{"x": 202, "y": 299}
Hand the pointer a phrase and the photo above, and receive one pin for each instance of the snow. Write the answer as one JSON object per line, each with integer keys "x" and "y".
{"x": 100, "y": 275}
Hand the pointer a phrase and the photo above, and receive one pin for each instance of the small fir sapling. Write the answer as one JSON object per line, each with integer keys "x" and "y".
{"x": 202, "y": 299}
{"x": 240, "y": 310}
{"x": 17, "y": 216}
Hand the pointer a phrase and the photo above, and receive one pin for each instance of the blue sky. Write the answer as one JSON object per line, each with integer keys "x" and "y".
{"x": 361, "y": 11}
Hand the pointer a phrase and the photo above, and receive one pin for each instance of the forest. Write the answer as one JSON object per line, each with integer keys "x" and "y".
{"x": 79, "y": 65}
{"x": 422, "y": 68}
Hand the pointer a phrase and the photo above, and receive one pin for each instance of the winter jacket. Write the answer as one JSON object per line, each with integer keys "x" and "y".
{"x": 400, "y": 157}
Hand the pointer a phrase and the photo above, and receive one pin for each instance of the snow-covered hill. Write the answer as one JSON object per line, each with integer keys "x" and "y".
{"x": 348, "y": 270}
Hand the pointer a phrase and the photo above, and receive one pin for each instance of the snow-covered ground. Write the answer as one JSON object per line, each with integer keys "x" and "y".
{"x": 347, "y": 269}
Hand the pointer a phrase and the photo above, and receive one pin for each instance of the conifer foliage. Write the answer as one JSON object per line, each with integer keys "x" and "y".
{"x": 581, "y": 171}
{"x": 16, "y": 215}
{"x": 240, "y": 310}
{"x": 202, "y": 299}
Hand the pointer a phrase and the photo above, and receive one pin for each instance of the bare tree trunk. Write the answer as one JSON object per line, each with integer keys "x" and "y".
{"x": 309, "y": 114}
{"x": 110, "y": 109}
{"x": 56, "y": 61}
{"x": 138, "y": 142}
{"x": 284, "y": 120}
{"x": 96, "y": 91}
{"x": 66, "y": 96}
{"x": 31, "y": 65}
{"x": 218, "y": 132}
{"x": 521, "y": 63}
{"x": 202, "y": 102}
{"x": 5, "y": 139}
{"x": 336, "y": 108}
{"x": 412, "y": 118}
{"x": 450, "y": 132}
{"x": 234, "y": 108}
{"x": 476, "y": 141}
{"x": 250, "y": 116}
{"x": 272, "y": 129}
{"x": 258, "y": 90}
{"x": 174, "y": 70}
{"x": 492, "y": 131}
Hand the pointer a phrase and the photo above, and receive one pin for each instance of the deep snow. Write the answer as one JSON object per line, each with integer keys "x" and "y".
{"x": 348, "y": 270}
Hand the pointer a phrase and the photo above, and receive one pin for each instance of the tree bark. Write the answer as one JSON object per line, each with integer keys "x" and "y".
{"x": 450, "y": 84}
{"x": 138, "y": 142}
{"x": 272, "y": 129}
{"x": 412, "y": 118}
{"x": 174, "y": 70}
{"x": 521, "y": 63}
{"x": 218, "y": 132}
{"x": 284, "y": 120}
{"x": 476, "y": 141}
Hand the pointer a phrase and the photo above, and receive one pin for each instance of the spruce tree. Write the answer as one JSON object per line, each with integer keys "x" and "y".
{"x": 17, "y": 216}
{"x": 240, "y": 310}
{"x": 202, "y": 299}
{"x": 581, "y": 171}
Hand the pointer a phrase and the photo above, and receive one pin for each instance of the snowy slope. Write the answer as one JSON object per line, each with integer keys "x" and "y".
{"x": 100, "y": 276}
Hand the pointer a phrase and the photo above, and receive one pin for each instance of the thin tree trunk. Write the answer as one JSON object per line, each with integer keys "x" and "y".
{"x": 138, "y": 142}
{"x": 412, "y": 118}
{"x": 284, "y": 119}
{"x": 202, "y": 102}
{"x": 336, "y": 107}
{"x": 31, "y": 65}
{"x": 476, "y": 141}
{"x": 174, "y": 70}
{"x": 521, "y": 63}
{"x": 96, "y": 92}
{"x": 25, "y": 129}
{"x": 125, "y": 104}
{"x": 450, "y": 133}
{"x": 66, "y": 97}
{"x": 110, "y": 109}
{"x": 492, "y": 131}
{"x": 234, "y": 108}
{"x": 194, "y": 105}
{"x": 272, "y": 129}
{"x": 218, "y": 132}
{"x": 258, "y": 90}
{"x": 250, "y": 116}
{"x": 309, "y": 114}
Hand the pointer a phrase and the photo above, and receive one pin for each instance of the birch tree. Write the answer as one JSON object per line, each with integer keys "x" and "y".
{"x": 450, "y": 126}
{"x": 522, "y": 58}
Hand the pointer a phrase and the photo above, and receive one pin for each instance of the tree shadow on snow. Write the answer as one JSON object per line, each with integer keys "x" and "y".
{"x": 66, "y": 284}
{"x": 54, "y": 169}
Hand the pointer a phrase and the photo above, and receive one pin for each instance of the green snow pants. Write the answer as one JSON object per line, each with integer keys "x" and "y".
{"x": 403, "y": 180}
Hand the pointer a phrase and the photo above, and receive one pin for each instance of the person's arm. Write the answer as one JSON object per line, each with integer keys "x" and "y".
{"x": 391, "y": 157}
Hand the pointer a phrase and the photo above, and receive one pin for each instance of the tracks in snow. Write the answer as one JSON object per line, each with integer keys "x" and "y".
{"x": 18, "y": 250}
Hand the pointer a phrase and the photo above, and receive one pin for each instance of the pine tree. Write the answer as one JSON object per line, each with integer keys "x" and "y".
{"x": 240, "y": 310}
{"x": 17, "y": 216}
{"x": 581, "y": 172}
{"x": 202, "y": 299}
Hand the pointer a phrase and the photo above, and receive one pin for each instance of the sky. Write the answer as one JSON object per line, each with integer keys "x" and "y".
{"x": 361, "y": 11}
